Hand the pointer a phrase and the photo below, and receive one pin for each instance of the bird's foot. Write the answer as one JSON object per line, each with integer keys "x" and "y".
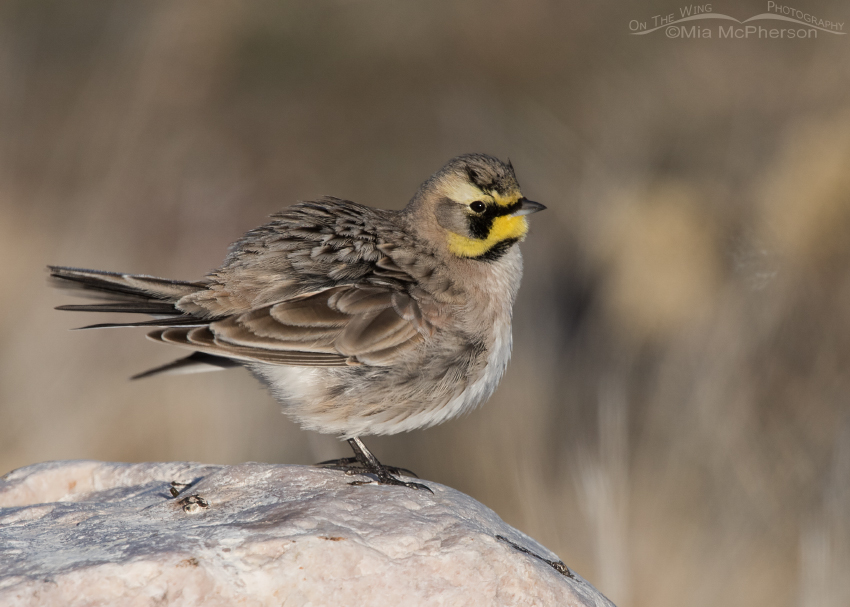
{"x": 385, "y": 478}
{"x": 343, "y": 463}
{"x": 352, "y": 466}
{"x": 364, "y": 462}
{"x": 391, "y": 480}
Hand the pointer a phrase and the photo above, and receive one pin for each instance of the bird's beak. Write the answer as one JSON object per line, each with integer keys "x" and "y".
{"x": 527, "y": 207}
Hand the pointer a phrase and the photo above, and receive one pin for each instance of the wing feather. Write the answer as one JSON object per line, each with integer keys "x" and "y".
{"x": 370, "y": 333}
{"x": 364, "y": 300}
{"x": 202, "y": 340}
{"x": 347, "y": 325}
{"x": 309, "y": 312}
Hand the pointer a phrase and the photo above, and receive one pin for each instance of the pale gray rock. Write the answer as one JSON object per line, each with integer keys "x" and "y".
{"x": 92, "y": 533}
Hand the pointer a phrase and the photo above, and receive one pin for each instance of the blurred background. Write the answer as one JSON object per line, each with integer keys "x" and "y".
{"x": 675, "y": 421}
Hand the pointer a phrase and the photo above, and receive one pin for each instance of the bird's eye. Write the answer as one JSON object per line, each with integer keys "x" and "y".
{"x": 478, "y": 206}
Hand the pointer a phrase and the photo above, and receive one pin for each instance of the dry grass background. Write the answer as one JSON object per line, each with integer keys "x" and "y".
{"x": 675, "y": 421}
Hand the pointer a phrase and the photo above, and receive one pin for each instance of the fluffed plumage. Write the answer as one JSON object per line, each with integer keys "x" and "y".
{"x": 360, "y": 320}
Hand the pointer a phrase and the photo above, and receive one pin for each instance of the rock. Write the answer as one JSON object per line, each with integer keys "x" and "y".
{"x": 93, "y": 533}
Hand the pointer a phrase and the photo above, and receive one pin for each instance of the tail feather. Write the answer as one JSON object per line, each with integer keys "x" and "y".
{"x": 124, "y": 286}
{"x": 141, "y": 307}
{"x": 129, "y": 294}
{"x": 182, "y": 321}
{"x": 139, "y": 294}
{"x": 199, "y": 362}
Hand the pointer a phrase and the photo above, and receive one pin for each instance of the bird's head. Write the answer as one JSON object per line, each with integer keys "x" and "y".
{"x": 474, "y": 206}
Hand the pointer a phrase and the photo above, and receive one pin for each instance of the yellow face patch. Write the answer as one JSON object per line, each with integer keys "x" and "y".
{"x": 504, "y": 228}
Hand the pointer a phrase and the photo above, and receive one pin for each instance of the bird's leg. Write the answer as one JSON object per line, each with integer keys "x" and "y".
{"x": 371, "y": 465}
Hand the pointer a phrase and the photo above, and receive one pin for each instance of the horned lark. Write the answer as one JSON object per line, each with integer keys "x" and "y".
{"x": 360, "y": 321}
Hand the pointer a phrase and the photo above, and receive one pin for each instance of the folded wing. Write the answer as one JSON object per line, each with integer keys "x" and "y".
{"x": 340, "y": 326}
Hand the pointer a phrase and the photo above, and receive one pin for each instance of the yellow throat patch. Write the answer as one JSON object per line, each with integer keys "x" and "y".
{"x": 503, "y": 228}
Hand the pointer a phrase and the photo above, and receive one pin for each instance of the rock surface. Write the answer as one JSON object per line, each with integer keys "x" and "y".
{"x": 93, "y": 533}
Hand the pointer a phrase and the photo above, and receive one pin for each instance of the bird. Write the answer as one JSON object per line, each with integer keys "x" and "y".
{"x": 360, "y": 321}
